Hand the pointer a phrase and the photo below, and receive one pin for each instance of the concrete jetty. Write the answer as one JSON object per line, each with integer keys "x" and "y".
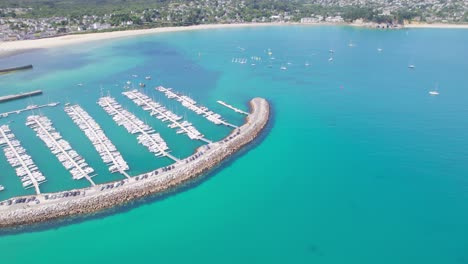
{"x": 11, "y": 97}
{"x": 232, "y": 107}
{"x": 69, "y": 158}
{"x": 16, "y": 155}
{"x": 147, "y": 136}
{"x": 106, "y": 149}
{"x": 26, "y": 210}
{"x": 161, "y": 113}
{"x": 28, "y": 108}
{"x": 191, "y": 104}
{"x": 19, "y": 68}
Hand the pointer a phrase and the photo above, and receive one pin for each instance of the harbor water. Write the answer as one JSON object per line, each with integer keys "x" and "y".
{"x": 360, "y": 164}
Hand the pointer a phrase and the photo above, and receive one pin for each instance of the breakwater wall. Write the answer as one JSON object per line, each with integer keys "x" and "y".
{"x": 11, "y": 97}
{"x": 20, "y": 68}
{"x": 27, "y": 210}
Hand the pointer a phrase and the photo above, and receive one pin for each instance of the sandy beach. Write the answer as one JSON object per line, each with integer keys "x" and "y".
{"x": 14, "y": 47}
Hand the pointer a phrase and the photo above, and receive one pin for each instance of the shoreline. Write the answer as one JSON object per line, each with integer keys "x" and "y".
{"x": 436, "y": 25}
{"x": 45, "y": 207}
{"x": 11, "y": 48}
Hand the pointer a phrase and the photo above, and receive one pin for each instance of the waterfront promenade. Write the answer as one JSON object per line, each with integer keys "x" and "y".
{"x": 43, "y": 207}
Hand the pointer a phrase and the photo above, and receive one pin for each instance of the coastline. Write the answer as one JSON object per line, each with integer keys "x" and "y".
{"x": 436, "y": 25}
{"x": 53, "y": 206}
{"x": 14, "y": 47}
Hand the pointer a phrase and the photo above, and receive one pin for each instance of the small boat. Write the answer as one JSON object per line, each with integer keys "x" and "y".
{"x": 134, "y": 75}
{"x": 434, "y": 92}
{"x": 53, "y": 104}
{"x": 2, "y": 188}
{"x": 331, "y": 51}
{"x": 142, "y": 85}
{"x": 80, "y": 84}
{"x": 330, "y": 59}
{"x": 411, "y": 66}
{"x": 379, "y": 49}
{"x": 283, "y": 68}
{"x": 129, "y": 82}
{"x": 148, "y": 78}
{"x": 307, "y": 64}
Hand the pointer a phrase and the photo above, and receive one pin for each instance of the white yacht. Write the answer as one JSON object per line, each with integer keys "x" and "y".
{"x": 434, "y": 92}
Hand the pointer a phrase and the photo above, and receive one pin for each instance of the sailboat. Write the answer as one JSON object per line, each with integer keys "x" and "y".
{"x": 434, "y": 92}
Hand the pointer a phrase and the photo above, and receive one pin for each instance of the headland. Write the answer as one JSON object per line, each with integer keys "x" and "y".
{"x": 26, "y": 210}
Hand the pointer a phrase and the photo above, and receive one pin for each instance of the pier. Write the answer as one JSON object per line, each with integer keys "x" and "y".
{"x": 163, "y": 114}
{"x": 69, "y": 158}
{"x": 108, "y": 152}
{"x": 20, "y": 68}
{"x": 28, "y": 108}
{"x": 11, "y": 97}
{"x": 191, "y": 104}
{"x": 16, "y": 155}
{"x": 147, "y": 136}
{"x": 233, "y": 108}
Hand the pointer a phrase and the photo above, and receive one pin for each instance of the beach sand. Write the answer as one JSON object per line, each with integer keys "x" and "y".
{"x": 14, "y": 47}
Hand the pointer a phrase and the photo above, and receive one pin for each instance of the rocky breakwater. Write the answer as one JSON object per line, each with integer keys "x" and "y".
{"x": 26, "y": 210}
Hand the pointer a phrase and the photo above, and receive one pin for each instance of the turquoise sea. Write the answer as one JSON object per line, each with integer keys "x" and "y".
{"x": 359, "y": 163}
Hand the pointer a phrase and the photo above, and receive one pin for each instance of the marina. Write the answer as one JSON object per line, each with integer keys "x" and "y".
{"x": 161, "y": 113}
{"x": 191, "y": 104}
{"x": 147, "y": 136}
{"x": 32, "y": 209}
{"x": 106, "y": 149}
{"x": 69, "y": 158}
{"x": 232, "y": 107}
{"x": 28, "y": 108}
{"x": 23, "y": 164}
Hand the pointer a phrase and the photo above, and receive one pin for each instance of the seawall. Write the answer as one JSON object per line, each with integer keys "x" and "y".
{"x": 33, "y": 209}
